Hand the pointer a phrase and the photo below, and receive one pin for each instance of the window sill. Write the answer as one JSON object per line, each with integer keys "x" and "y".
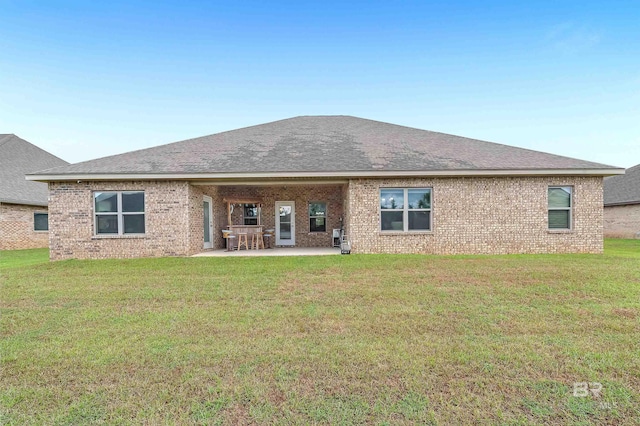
{"x": 117, "y": 237}
{"x": 403, "y": 233}
{"x": 560, "y": 231}
{"x": 318, "y": 233}
{"x": 41, "y": 231}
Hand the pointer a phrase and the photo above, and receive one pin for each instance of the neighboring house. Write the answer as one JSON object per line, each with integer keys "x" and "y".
{"x": 394, "y": 189}
{"x": 622, "y": 205}
{"x": 23, "y": 204}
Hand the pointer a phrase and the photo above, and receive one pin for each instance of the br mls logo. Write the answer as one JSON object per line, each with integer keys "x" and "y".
{"x": 582, "y": 389}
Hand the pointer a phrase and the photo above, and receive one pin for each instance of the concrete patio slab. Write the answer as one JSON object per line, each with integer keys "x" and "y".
{"x": 278, "y": 251}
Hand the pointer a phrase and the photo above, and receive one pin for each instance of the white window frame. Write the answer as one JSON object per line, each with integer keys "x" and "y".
{"x": 405, "y": 210}
{"x": 34, "y": 222}
{"x": 316, "y": 217}
{"x": 119, "y": 213}
{"x": 569, "y": 209}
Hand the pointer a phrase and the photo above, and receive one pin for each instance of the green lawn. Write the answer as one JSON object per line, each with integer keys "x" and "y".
{"x": 372, "y": 339}
{"x": 15, "y": 258}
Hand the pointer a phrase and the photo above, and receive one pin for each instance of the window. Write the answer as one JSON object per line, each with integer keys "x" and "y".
{"x": 40, "y": 221}
{"x": 317, "y": 217}
{"x": 119, "y": 213}
{"x": 405, "y": 209}
{"x": 250, "y": 214}
{"x": 560, "y": 203}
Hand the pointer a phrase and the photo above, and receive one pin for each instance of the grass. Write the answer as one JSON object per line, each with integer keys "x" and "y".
{"x": 15, "y": 258}
{"x": 372, "y": 339}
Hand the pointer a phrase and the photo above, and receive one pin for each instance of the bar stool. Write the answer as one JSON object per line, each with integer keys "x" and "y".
{"x": 268, "y": 235}
{"x": 242, "y": 237}
{"x": 256, "y": 240}
{"x": 229, "y": 237}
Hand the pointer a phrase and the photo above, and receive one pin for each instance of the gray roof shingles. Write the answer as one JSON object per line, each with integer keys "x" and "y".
{"x": 623, "y": 189}
{"x": 17, "y": 158}
{"x": 331, "y": 144}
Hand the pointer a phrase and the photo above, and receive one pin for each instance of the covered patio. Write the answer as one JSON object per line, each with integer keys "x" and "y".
{"x": 295, "y": 214}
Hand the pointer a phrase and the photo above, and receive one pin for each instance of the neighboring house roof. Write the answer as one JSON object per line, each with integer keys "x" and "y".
{"x": 17, "y": 158}
{"x": 625, "y": 189}
{"x": 329, "y": 146}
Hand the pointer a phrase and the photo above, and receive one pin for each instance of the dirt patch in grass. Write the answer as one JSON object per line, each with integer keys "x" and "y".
{"x": 626, "y": 312}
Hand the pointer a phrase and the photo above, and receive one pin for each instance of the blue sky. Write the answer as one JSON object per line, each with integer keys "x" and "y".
{"x": 86, "y": 79}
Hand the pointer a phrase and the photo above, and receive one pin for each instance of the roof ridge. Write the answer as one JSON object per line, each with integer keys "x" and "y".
{"x": 161, "y": 145}
{"x": 34, "y": 146}
{"x": 325, "y": 144}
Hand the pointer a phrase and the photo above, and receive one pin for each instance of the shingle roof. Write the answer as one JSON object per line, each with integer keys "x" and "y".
{"x": 328, "y": 144}
{"x": 17, "y": 158}
{"x": 624, "y": 189}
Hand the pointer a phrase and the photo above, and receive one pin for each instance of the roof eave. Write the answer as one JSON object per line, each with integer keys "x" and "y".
{"x": 24, "y": 202}
{"x": 329, "y": 174}
{"x": 622, "y": 203}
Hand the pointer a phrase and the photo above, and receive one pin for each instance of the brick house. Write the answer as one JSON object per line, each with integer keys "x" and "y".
{"x": 23, "y": 204}
{"x": 393, "y": 189}
{"x": 622, "y": 205}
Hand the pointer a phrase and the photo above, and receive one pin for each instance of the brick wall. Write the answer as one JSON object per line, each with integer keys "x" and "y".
{"x": 480, "y": 216}
{"x": 470, "y": 215}
{"x": 622, "y": 221}
{"x": 167, "y": 221}
{"x": 16, "y": 227}
{"x": 174, "y": 217}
